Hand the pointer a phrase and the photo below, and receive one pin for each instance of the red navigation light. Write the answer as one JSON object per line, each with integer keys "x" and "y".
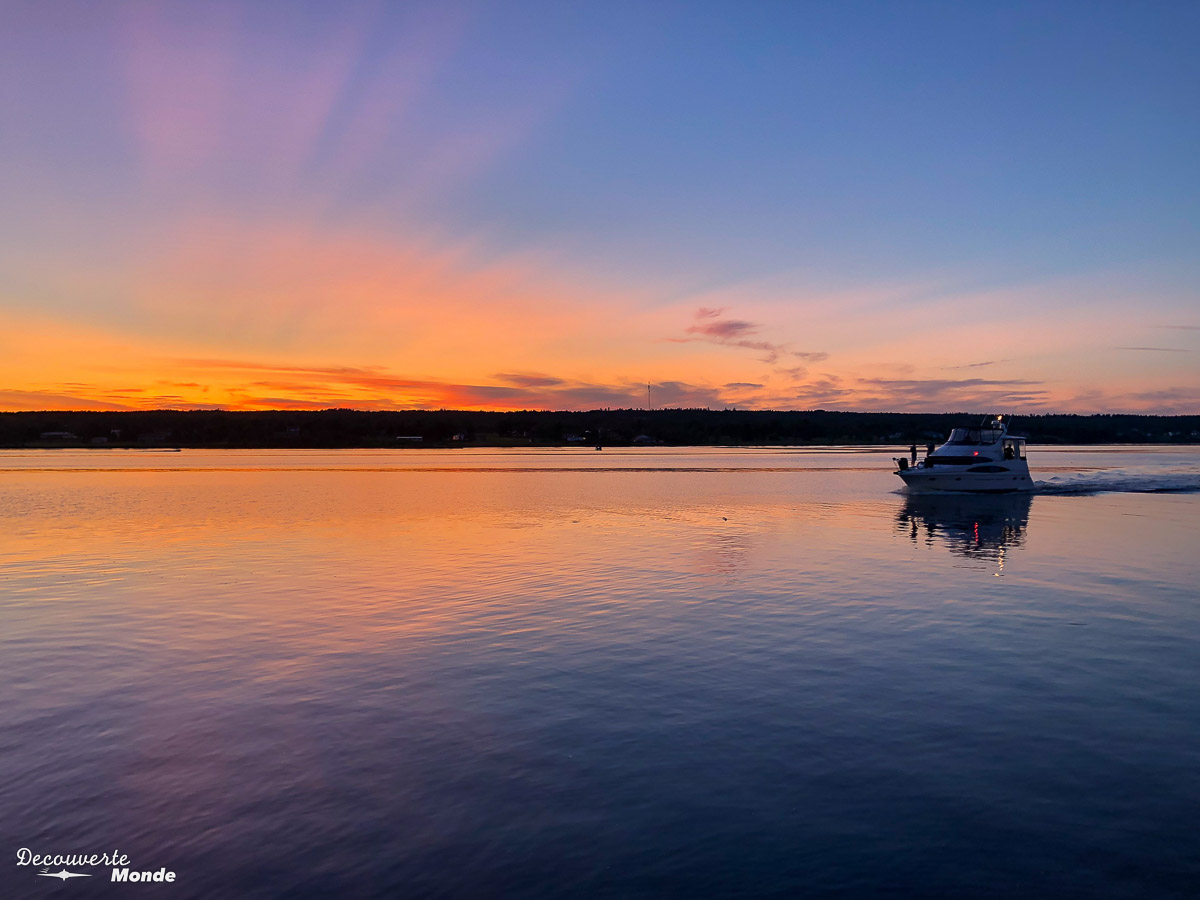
{"x": 976, "y": 453}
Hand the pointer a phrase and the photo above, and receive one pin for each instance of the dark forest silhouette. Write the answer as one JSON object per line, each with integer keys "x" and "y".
{"x": 616, "y": 427}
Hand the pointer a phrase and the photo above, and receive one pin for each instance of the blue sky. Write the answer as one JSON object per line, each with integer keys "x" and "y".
{"x": 898, "y": 195}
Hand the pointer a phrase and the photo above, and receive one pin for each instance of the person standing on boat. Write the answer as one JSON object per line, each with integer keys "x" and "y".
{"x": 913, "y": 452}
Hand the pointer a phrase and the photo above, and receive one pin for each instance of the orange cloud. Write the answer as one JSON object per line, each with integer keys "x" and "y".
{"x": 246, "y": 317}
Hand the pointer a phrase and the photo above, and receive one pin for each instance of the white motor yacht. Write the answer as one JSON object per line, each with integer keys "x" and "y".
{"x": 983, "y": 459}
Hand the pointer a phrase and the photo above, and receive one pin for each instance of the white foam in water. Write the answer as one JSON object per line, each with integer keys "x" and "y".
{"x": 1121, "y": 482}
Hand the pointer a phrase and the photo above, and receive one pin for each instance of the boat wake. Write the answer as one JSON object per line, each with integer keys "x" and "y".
{"x": 1120, "y": 482}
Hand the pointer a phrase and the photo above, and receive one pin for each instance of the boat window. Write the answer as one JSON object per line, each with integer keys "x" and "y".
{"x": 974, "y": 436}
{"x": 964, "y": 436}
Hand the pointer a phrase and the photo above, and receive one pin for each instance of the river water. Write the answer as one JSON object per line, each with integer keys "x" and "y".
{"x": 633, "y": 673}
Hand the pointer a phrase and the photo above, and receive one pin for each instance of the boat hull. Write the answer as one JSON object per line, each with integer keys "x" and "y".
{"x": 944, "y": 479}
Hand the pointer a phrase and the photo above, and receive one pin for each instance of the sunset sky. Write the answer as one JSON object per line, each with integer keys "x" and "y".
{"x": 517, "y": 205}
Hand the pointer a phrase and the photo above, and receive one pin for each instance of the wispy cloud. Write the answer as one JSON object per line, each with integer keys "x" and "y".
{"x": 1155, "y": 349}
{"x": 296, "y": 386}
{"x": 317, "y": 115}
{"x": 949, "y": 395}
{"x": 833, "y": 391}
{"x": 1166, "y": 401}
{"x": 795, "y": 373}
{"x": 45, "y": 400}
{"x": 680, "y": 393}
{"x": 319, "y": 387}
{"x": 1171, "y": 400}
{"x": 711, "y": 326}
{"x": 96, "y": 398}
{"x": 824, "y": 391}
{"x": 303, "y": 387}
{"x": 979, "y": 365}
{"x": 528, "y": 379}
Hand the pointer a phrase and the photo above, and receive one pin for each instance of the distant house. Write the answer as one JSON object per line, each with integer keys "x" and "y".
{"x": 573, "y": 438}
{"x": 411, "y": 438}
{"x": 58, "y": 436}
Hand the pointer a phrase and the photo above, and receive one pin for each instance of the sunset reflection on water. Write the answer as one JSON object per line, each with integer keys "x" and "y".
{"x": 376, "y": 673}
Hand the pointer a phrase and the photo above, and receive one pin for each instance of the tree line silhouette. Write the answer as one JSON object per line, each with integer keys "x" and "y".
{"x": 447, "y": 428}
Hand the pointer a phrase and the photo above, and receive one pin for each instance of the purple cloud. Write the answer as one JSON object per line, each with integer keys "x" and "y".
{"x": 528, "y": 379}
{"x": 711, "y": 328}
{"x": 1154, "y": 349}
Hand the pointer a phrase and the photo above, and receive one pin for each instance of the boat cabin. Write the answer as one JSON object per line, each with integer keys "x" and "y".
{"x": 989, "y": 442}
{"x": 984, "y": 458}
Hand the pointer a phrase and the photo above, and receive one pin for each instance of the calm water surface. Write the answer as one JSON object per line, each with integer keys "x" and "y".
{"x": 633, "y": 673}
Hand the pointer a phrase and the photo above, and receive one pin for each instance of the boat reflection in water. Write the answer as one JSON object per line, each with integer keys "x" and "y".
{"x": 978, "y": 527}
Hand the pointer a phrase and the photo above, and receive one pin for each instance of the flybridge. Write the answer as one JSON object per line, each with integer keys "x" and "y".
{"x": 975, "y": 436}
